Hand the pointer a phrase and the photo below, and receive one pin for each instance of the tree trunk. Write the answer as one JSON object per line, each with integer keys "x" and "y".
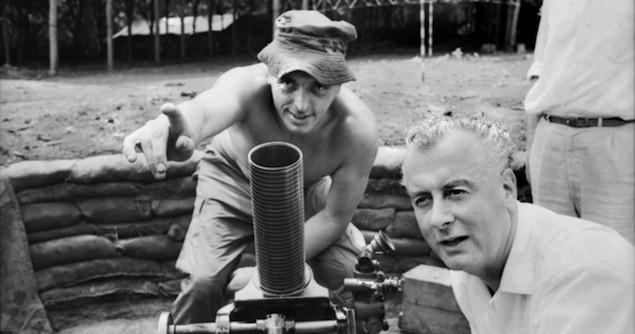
{"x": 53, "y": 56}
{"x": 5, "y": 35}
{"x": 130, "y": 19}
{"x": 210, "y": 18}
{"x": 109, "y": 35}
{"x": 182, "y": 36}
{"x": 234, "y": 41}
{"x": 275, "y": 9}
{"x": 513, "y": 10}
{"x": 157, "y": 34}
{"x": 167, "y": 15}
{"x": 194, "y": 16}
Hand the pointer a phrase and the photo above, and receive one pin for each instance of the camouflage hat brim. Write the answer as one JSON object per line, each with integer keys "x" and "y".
{"x": 327, "y": 68}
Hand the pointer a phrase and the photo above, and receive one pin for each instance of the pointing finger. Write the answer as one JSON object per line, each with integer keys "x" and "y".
{"x": 177, "y": 121}
{"x": 129, "y": 147}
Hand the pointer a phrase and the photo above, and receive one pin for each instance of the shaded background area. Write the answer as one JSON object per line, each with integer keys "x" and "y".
{"x": 200, "y": 29}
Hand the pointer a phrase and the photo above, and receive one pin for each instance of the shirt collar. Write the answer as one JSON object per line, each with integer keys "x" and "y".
{"x": 518, "y": 275}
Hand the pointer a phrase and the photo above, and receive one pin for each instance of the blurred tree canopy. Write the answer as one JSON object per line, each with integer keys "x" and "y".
{"x": 81, "y": 24}
{"x": 82, "y": 29}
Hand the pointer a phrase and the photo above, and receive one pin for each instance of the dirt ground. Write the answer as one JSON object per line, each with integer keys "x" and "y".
{"x": 85, "y": 111}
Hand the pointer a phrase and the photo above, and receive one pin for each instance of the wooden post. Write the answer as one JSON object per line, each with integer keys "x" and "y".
{"x": 182, "y": 35}
{"x": 210, "y": 20}
{"x": 234, "y": 29}
{"x": 275, "y": 8}
{"x": 305, "y": 4}
{"x": 514, "y": 23}
{"x": 5, "y": 35}
{"x": 157, "y": 34}
{"x": 430, "y": 9}
{"x": 53, "y": 55}
{"x": 129, "y": 20}
{"x": 422, "y": 35}
{"x": 109, "y": 35}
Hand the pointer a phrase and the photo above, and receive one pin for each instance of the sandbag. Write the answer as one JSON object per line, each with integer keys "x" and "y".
{"x": 71, "y": 249}
{"x": 115, "y": 210}
{"x": 181, "y": 187}
{"x": 154, "y": 226}
{"x": 70, "y": 192}
{"x": 47, "y": 216}
{"x": 115, "y": 167}
{"x": 155, "y": 247}
{"x": 170, "y": 272}
{"x": 34, "y": 174}
{"x": 388, "y": 162}
{"x": 178, "y": 227}
{"x": 386, "y": 185}
{"x": 99, "y": 288}
{"x": 80, "y": 229}
{"x": 379, "y": 201}
{"x": 21, "y": 310}
{"x": 169, "y": 288}
{"x": 78, "y": 272}
{"x": 168, "y": 207}
{"x": 373, "y": 219}
{"x": 404, "y": 226}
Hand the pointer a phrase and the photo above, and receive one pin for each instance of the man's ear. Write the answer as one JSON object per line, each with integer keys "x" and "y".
{"x": 509, "y": 184}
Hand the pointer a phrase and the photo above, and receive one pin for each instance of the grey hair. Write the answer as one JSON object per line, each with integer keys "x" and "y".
{"x": 428, "y": 132}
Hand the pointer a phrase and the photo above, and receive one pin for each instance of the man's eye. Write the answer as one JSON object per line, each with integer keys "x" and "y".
{"x": 320, "y": 89}
{"x": 284, "y": 81}
{"x": 421, "y": 201}
{"x": 455, "y": 193}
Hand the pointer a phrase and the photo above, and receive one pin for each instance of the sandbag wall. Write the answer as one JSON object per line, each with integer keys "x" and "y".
{"x": 102, "y": 226}
{"x": 386, "y": 207}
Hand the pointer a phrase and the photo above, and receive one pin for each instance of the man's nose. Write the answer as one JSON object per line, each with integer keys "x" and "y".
{"x": 301, "y": 101}
{"x": 441, "y": 215}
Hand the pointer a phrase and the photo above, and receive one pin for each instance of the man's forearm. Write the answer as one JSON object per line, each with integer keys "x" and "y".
{"x": 320, "y": 232}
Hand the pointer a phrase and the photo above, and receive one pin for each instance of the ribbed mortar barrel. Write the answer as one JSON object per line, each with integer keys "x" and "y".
{"x": 277, "y": 186}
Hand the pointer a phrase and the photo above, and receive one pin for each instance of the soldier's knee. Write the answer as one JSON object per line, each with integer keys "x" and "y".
{"x": 205, "y": 285}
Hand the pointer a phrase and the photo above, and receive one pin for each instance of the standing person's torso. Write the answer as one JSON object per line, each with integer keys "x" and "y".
{"x": 587, "y": 61}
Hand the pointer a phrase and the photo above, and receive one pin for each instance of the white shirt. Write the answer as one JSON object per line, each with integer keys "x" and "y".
{"x": 584, "y": 59}
{"x": 563, "y": 275}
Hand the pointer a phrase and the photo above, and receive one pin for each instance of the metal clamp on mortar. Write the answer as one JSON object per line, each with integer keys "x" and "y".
{"x": 370, "y": 284}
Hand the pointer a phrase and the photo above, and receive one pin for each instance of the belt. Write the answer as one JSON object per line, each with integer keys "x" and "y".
{"x": 582, "y": 122}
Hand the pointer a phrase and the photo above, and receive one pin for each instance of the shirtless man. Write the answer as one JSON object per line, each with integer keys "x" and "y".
{"x": 295, "y": 95}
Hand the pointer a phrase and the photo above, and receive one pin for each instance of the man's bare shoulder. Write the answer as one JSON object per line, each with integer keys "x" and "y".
{"x": 255, "y": 74}
{"x": 243, "y": 82}
{"x": 358, "y": 122}
{"x": 258, "y": 69}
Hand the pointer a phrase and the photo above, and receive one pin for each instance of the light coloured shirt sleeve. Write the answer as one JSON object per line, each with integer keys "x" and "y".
{"x": 536, "y": 66}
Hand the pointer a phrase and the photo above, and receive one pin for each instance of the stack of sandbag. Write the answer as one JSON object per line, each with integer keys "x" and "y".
{"x": 386, "y": 207}
{"x": 101, "y": 225}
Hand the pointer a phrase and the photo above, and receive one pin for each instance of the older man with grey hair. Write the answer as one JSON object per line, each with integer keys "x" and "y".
{"x": 515, "y": 267}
